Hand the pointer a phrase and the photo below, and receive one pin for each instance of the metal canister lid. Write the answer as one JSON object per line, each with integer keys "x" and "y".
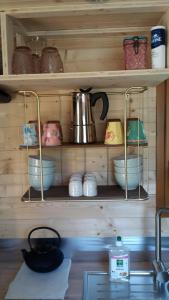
{"x": 135, "y": 38}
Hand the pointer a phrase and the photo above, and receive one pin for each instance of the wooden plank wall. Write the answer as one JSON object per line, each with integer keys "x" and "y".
{"x": 73, "y": 219}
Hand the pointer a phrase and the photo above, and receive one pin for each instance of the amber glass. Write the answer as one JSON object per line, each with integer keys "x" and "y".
{"x": 36, "y": 63}
{"x": 51, "y": 61}
{"x": 22, "y": 61}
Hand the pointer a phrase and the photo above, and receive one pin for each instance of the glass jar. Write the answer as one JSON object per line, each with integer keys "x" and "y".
{"x": 51, "y": 61}
{"x": 22, "y": 61}
{"x": 135, "y": 52}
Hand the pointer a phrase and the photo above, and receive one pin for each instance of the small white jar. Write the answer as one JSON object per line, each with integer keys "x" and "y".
{"x": 90, "y": 188}
{"x": 75, "y": 188}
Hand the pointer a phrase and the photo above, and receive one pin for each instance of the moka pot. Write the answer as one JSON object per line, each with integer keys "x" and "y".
{"x": 84, "y": 131}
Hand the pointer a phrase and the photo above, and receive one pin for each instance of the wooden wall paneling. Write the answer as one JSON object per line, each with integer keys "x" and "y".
{"x": 79, "y": 219}
{"x": 165, "y": 21}
{"x": 166, "y": 167}
{"x": 8, "y": 45}
{"x": 161, "y": 144}
{"x": 12, "y": 35}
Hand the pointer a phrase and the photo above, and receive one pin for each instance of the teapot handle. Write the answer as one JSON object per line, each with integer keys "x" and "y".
{"x": 43, "y": 227}
{"x": 103, "y": 96}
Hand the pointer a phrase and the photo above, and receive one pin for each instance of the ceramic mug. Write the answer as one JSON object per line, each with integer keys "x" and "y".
{"x": 114, "y": 132}
{"x": 75, "y": 188}
{"x": 30, "y": 133}
{"x": 135, "y": 131}
{"x": 52, "y": 134}
{"x": 90, "y": 188}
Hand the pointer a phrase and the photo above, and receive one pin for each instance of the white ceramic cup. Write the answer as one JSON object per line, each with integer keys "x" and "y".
{"x": 75, "y": 188}
{"x": 90, "y": 188}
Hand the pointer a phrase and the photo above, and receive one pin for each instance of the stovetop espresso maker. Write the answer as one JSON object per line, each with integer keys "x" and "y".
{"x": 84, "y": 131}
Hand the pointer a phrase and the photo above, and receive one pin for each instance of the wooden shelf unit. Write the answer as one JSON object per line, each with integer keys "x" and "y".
{"x": 89, "y": 38}
{"x": 105, "y": 193}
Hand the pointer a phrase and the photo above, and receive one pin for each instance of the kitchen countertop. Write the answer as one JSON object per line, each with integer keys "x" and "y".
{"x": 11, "y": 259}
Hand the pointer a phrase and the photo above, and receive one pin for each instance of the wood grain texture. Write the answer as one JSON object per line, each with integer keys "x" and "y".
{"x": 166, "y": 165}
{"x": 74, "y": 218}
{"x": 161, "y": 136}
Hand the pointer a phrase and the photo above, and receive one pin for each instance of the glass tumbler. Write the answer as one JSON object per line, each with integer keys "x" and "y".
{"x": 51, "y": 61}
{"x": 36, "y": 63}
{"x": 22, "y": 61}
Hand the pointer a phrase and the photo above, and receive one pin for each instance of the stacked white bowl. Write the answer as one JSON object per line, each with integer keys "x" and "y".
{"x": 134, "y": 171}
{"x": 34, "y": 172}
{"x": 90, "y": 185}
{"x": 75, "y": 185}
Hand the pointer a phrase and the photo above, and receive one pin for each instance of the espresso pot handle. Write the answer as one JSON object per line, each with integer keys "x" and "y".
{"x": 105, "y": 100}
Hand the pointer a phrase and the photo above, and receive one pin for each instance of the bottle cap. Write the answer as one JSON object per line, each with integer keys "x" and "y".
{"x": 119, "y": 241}
{"x": 158, "y": 27}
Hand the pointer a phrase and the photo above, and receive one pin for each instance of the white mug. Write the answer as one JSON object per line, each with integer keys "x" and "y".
{"x": 75, "y": 188}
{"x": 89, "y": 188}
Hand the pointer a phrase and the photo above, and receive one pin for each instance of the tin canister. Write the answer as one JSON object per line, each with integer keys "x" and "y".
{"x": 135, "y": 52}
{"x": 114, "y": 132}
{"x": 30, "y": 133}
{"x": 135, "y": 131}
{"x": 158, "y": 47}
{"x": 52, "y": 134}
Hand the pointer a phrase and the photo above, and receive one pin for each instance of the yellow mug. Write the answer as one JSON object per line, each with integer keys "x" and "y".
{"x": 114, "y": 133}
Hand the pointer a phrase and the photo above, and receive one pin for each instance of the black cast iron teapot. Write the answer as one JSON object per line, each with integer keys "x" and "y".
{"x": 46, "y": 256}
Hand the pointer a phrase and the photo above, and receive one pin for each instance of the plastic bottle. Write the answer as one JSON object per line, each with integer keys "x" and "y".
{"x": 119, "y": 262}
{"x": 158, "y": 47}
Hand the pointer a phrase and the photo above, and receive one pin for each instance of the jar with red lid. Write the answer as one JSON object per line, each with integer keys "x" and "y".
{"x": 135, "y": 52}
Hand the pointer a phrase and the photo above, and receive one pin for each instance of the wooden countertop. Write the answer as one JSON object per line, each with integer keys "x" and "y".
{"x": 10, "y": 261}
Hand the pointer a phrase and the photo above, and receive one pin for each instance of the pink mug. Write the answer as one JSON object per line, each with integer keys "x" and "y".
{"x": 52, "y": 134}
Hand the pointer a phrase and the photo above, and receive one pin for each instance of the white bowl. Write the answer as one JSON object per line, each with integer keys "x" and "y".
{"x": 35, "y": 181}
{"x": 132, "y": 180}
{"x": 132, "y": 170}
{"x": 132, "y": 161}
{"x": 47, "y": 161}
{"x": 37, "y": 171}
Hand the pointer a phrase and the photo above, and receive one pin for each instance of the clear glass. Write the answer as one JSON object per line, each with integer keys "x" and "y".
{"x": 36, "y": 63}
{"x": 36, "y": 43}
{"x": 22, "y": 61}
{"x": 51, "y": 61}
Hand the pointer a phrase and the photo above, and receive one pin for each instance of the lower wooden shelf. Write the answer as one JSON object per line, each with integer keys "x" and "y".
{"x": 92, "y": 145}
{"x": 105, "y": 193}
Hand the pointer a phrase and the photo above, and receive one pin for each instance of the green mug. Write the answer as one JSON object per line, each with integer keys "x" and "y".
{"x": 135, "y": 131}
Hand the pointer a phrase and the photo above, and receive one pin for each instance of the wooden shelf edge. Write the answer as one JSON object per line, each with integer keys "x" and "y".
{"x": 105, "y": 193}
{"x": 71, "y": 145}
{"x": 92, "y": 74}
{"x": 98, "y": 79}
{"x": 89, "y": 8}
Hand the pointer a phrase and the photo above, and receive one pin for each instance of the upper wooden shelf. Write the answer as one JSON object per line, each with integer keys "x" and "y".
{"x": 62, "y": 5}
{"x": 81, "y": 16}
{"x": 102, "y": 79}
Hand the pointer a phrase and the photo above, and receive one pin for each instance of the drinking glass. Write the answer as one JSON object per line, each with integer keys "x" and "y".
{"x": 22, "y": 61}
{"x": 36, "y": 63}
{"x": 51, "y": 61}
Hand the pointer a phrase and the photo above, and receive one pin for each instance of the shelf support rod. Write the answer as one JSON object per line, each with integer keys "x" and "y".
{"x": 128, "y": 92}
{"x": 29, "y": 93}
